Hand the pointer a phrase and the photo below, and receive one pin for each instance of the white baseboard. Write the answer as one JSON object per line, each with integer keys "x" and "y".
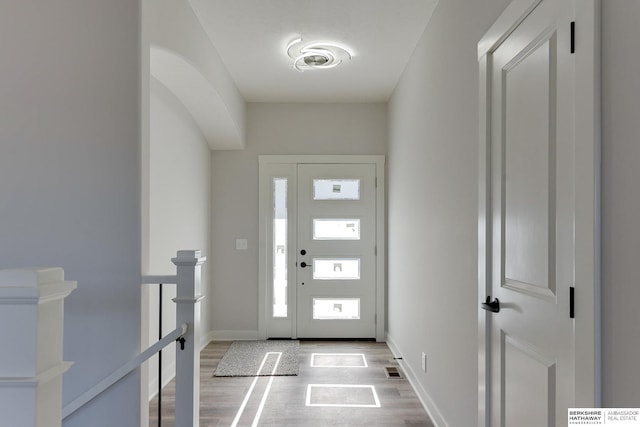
{"x": 205, "y": 340}
{"x": 425, "y": 399}
{"x": 242, "y": 335}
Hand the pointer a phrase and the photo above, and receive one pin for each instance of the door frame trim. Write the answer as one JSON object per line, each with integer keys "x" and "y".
{"x": 264, "y": 213}
{"x": 587, "y": 376}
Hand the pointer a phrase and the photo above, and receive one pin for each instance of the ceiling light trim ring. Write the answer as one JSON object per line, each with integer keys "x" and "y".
{"x": 333, "y": 54}
{"x": 291, "y": 44}
{"x": 321, "y": 45}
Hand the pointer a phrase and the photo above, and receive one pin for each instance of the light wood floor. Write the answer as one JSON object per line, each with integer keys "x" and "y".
{"x": 221, "y": 398}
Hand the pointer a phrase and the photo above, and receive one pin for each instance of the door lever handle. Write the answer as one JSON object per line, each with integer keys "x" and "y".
{"x": 303, "y": 264}
{"x": 492, "y": 306}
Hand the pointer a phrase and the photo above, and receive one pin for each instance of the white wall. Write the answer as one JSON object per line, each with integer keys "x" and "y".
{"x": 272, "y": 129}
{"x": 620, "y": 203}
{"x": 179, "y": 207}
{"x": 432, "y": 207}
{"x": 432, "y": 199}
{"x": 185, "y": 60}
{"x": 70, "y": 179}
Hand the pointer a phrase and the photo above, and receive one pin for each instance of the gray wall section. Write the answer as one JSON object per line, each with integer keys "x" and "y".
{"x": 179, "y": 207}
{"x": 432, "y": 199}
{"x": 70, "y": 178}
{"x": 620, "y": 203}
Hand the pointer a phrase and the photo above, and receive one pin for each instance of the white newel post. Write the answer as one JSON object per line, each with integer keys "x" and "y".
{"x": 31, "y": 332}
{"x": 188, "y": 266}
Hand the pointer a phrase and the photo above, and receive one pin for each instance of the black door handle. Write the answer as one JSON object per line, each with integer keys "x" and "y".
{"x": 303, "y": 264}
{"x": 493, "y": 306}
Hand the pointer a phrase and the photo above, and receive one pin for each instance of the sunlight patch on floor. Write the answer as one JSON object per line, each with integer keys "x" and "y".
{"x": 342, "y": 395}
{"x": 338, "y": 360}
{"x": 270, "y": 358}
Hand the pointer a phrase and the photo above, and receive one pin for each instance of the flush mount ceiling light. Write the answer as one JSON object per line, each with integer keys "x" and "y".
{"x": 317, "y": 55}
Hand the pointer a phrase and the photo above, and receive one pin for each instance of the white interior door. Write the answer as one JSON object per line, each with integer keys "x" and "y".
{"x": 336, "y": 259}
{"x": 530, "y": 250}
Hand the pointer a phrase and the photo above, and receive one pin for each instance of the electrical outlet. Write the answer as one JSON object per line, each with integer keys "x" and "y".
{"x": 424, "y": 362}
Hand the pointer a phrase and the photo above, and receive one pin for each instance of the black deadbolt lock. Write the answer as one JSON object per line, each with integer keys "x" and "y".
{"x": 303, "y": 252}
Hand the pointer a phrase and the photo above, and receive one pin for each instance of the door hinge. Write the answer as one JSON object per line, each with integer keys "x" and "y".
{"x": 375, "y": 250}
{"x": 572, "y": 304}
{"x": 573, "y": 36}
{"x": 375, "y": 180}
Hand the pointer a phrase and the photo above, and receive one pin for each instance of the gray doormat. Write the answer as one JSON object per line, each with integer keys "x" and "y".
{"x": 259, "y": 358}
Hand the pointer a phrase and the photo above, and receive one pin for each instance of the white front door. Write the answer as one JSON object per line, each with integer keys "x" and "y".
{"x": 336, "y": 260}
{"x": 529, "y": 252}
{"x": 322, "y": 247}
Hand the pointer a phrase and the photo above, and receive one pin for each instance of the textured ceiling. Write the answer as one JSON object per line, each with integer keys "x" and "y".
{"x": 251, "y": 37}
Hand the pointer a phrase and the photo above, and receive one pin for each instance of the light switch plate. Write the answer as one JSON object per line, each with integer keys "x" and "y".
{"x": 241, "y": 244}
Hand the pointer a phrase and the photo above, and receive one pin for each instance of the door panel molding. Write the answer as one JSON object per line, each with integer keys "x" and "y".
{"x": 538, "y": 372}
{"x": 272, "y": 165}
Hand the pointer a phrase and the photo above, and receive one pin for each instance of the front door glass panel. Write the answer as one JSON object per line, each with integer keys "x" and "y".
{"x": 336, "y": 229}
{"x": 336, "y": 269}
{"x": 336, "y": 189}
{"x": 336, "y": 308}
{"x": 279, "y": 247}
